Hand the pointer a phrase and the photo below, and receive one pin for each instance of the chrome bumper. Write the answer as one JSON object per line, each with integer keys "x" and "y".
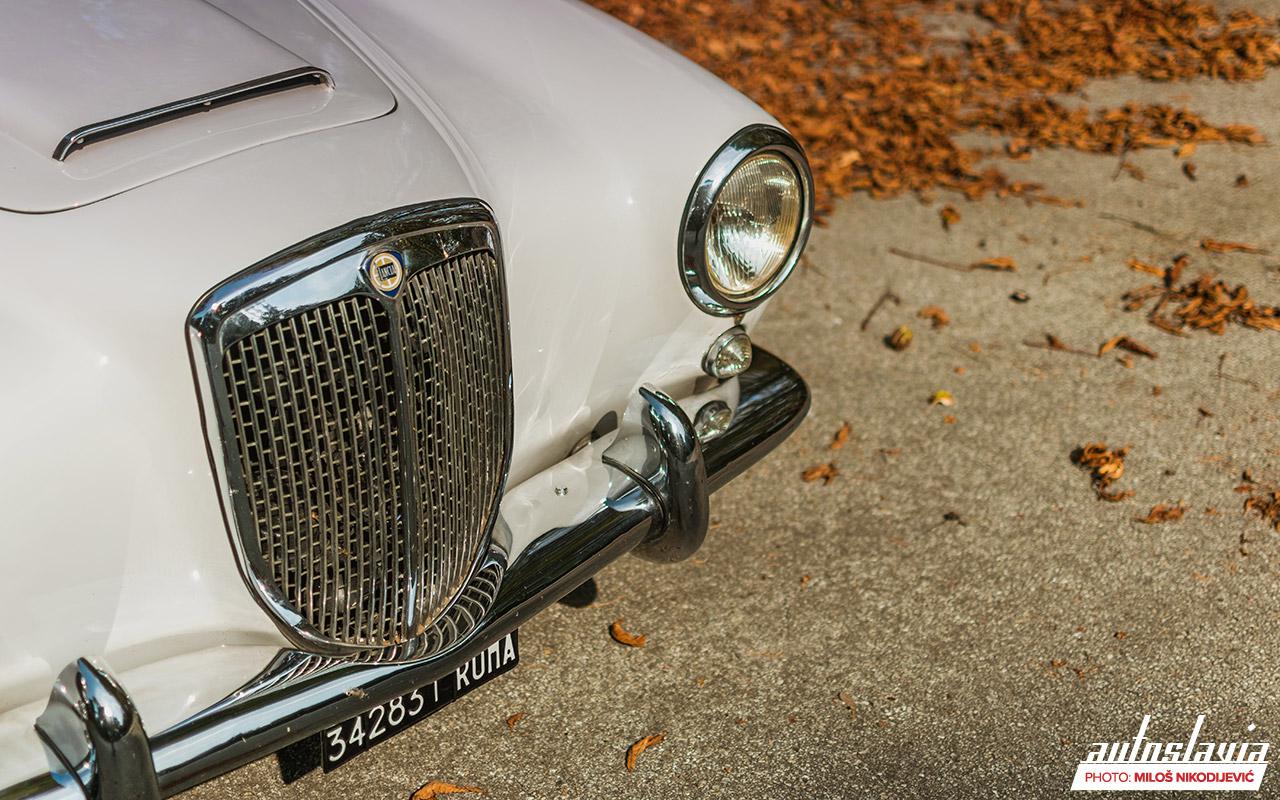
{"x": 659, "y": 510}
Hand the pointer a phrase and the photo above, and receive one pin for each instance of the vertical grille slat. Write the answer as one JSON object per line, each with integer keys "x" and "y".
{"x": 456, "y": 379}
{"x": 344, "y": 414}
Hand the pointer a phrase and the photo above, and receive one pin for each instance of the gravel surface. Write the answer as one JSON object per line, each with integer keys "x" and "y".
{"x": 982, "y": 655}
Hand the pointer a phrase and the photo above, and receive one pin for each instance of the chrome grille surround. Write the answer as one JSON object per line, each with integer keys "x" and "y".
{"x": 452, "y": 628}
{"x": 361, "y": 441}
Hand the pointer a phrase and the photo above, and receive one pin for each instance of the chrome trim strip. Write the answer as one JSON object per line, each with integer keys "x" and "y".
{"x": 306, "y": 276}
{"x": 693, "y": 227}
{"x": 128, "y": 123}
{"x": 263, "y": 718}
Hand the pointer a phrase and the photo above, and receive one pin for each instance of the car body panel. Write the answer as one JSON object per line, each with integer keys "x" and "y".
{"x": 582, "y": 135}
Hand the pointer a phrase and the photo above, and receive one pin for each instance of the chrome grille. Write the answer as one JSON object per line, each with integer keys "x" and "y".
{"x": 452, "y": 330}
{"x": 367, "y": 442}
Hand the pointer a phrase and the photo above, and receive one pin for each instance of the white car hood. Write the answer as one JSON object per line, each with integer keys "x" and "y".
{"x": 65, "y": 67}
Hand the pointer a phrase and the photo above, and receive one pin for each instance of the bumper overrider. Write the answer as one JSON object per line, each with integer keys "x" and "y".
{"x": 657, "y": 506}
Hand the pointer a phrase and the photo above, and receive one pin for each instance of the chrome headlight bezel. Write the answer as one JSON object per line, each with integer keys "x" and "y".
{"x": 750, "y": 141}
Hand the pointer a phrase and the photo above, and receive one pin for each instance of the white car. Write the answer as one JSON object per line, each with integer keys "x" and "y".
{"x": 342, "y": 336}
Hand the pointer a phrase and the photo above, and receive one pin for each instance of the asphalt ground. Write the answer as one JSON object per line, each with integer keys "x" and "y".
{"x": 958, "y": 581}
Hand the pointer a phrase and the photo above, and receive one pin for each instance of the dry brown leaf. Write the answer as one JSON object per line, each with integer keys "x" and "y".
{"x": 1109, "y": 345}
{"x": 1106, "y": 466}
{"x": 849, "y": 703}
{"x": 638, "y": 747}
{"x": 1125, "y": 343}
{"x": 1115, "y": 497}
{"x": 900, "y": 339}
{"x": 848, "y": 158}
{"x": 514, "y": 719}
{"x": 1217, "y": 246}
{"x": 437, "y": 789}
{"x": 1134, "y": 171}
{"x": 1263, "y": 501}
{"x": 1242, "y": 181}
{"x": 1142, "y": 266}
{"x": 936, "y": 315}
{"x": 1189, "y": 169}
{"x": 949, "y": 216}
{"x": 1136, "y": 347}
{"x": 1001, "y": 263}
{"x": 621, "y": 636}
{"x": 823, "y": 472}
{"x": 949, "y": 419}
{"x": 1164, "y": 512}
{"x": 840, "y": 437}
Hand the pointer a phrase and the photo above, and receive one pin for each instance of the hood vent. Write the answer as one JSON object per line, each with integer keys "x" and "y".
{"x": 123, "y": 102}
{"x": 107, "y": 129}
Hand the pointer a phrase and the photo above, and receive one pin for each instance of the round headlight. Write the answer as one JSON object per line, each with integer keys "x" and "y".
{"x": 746, "y": 221}
{"x": 753, "y": 224}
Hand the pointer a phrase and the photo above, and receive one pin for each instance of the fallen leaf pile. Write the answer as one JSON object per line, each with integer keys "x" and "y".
{"x": 1105, "y": 467}
{"x": 879, "y": 90}
{"x": 1200, "y": 304}
{"x": 621, "y": 636}
{"x": 638, "y": 747}
{"x": 1163, "y": 512}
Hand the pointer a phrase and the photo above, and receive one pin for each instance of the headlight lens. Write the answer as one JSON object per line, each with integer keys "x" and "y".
{"x": 746, "y": 221}
{"x": 753, "y": 224}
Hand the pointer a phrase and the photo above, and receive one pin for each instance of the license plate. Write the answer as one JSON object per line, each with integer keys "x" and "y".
{"x": 341, "y": 743}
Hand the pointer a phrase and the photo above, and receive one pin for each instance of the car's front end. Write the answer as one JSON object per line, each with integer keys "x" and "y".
{"x": 319, "y": 392}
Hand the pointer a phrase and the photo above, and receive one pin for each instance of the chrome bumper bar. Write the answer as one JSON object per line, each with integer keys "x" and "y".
{"x": 661, "y": 513}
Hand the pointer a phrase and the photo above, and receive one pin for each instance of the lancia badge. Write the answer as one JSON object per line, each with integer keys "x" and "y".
{"x": 386, "y": 272}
